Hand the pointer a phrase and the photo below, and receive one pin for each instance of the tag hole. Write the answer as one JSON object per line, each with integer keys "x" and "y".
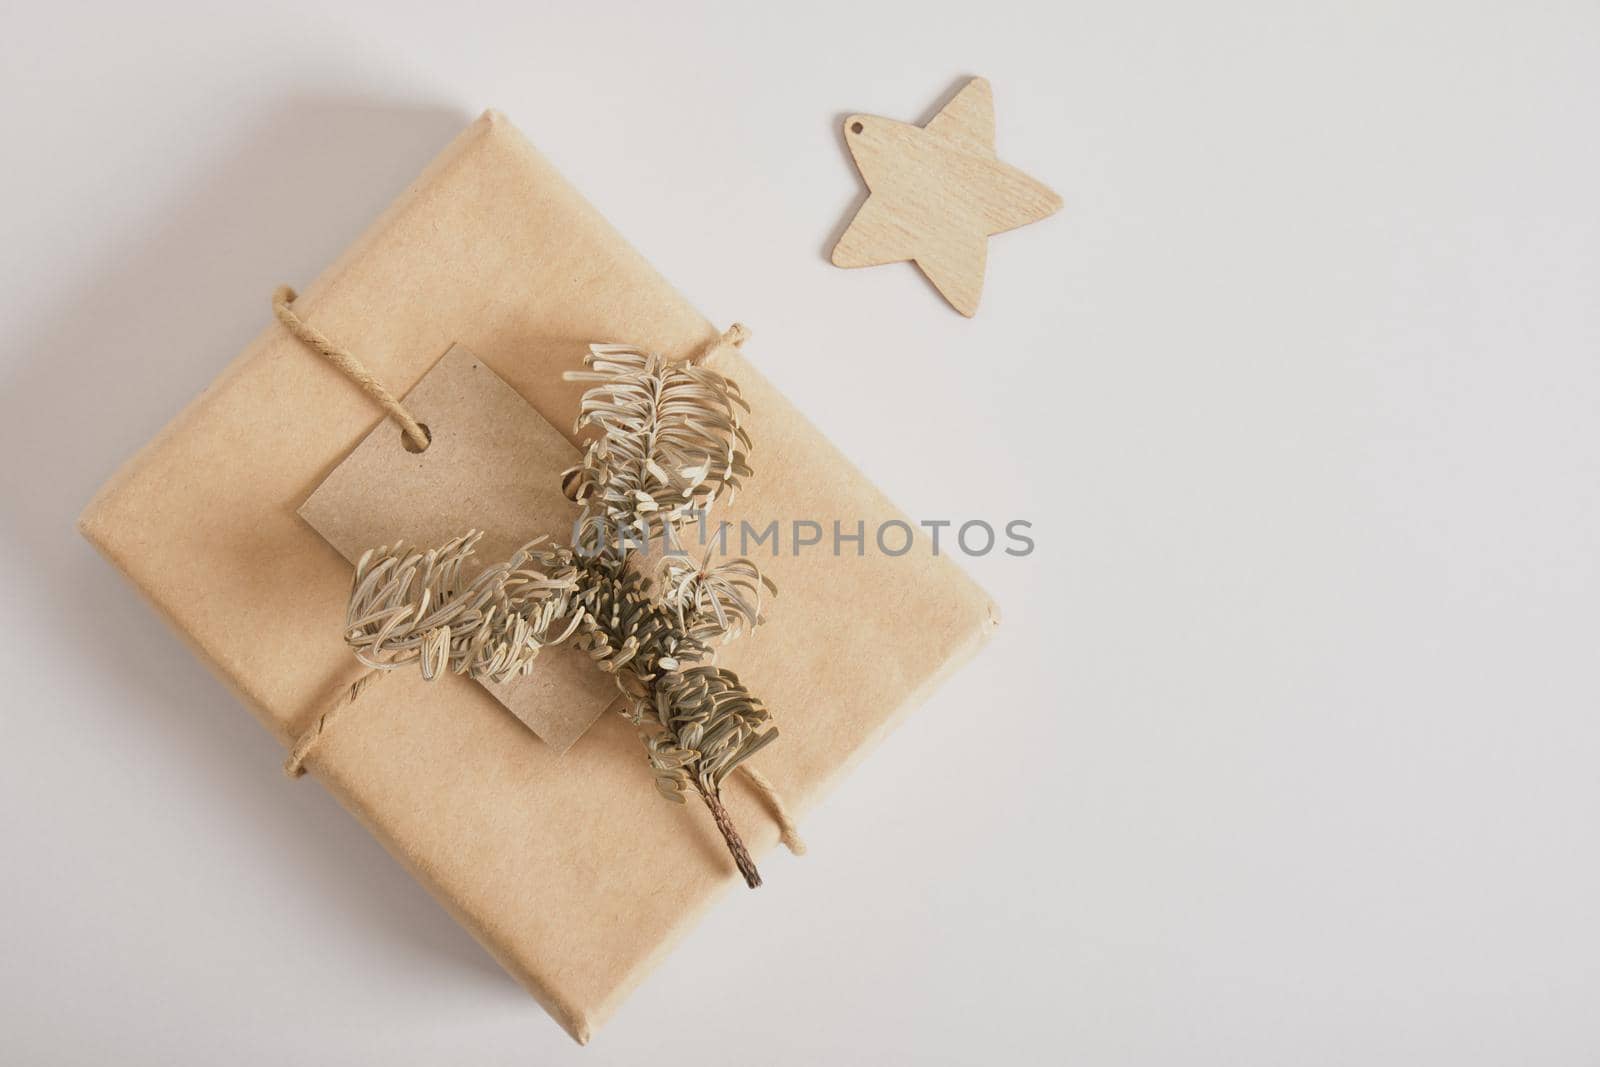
{"x": 412, "y": 446}
{"x": 856, "y": 127}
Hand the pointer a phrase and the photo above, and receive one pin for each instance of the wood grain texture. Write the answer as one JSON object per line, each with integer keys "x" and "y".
{"x": 937, "y": 194}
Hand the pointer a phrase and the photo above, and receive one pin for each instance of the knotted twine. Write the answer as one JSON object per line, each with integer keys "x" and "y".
{"x": 295, "y": 765}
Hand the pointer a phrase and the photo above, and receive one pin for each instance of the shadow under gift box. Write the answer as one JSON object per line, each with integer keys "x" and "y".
{"x": 571, "y": 870}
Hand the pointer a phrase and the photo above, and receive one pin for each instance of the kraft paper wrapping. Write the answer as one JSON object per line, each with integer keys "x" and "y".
{"x": 569, "y": 869}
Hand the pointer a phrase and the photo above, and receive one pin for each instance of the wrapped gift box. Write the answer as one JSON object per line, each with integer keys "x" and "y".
{"x": 568, "y": 868}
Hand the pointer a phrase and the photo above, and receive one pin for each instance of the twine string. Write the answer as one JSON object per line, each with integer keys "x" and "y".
{"x": 319, "y": 343}
{"x": 295, "y": 765}
{"x": 788, "y": 833}
{"x": 732, "y": 337}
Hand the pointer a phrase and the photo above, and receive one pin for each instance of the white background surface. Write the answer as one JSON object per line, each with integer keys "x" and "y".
{"x": 1287, "y": 750}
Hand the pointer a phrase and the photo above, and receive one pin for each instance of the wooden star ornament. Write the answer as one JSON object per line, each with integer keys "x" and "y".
{"x": 937, "y": 193}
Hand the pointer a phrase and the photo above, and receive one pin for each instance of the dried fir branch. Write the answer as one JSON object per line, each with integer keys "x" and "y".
{"x": 670, "y": 444}
{"x": 714, "y": 601}
{"x": 416, "y": 606}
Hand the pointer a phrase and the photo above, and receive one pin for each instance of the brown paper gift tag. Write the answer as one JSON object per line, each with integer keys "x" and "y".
{"x": 492, "y": 464}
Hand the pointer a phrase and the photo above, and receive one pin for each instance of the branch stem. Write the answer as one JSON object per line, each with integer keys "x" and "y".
{"x": 741, "y": 855}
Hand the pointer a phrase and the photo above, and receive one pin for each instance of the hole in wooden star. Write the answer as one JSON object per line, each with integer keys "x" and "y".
{"x": 856, "y": 127}
{"x": 412, "y": 446}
